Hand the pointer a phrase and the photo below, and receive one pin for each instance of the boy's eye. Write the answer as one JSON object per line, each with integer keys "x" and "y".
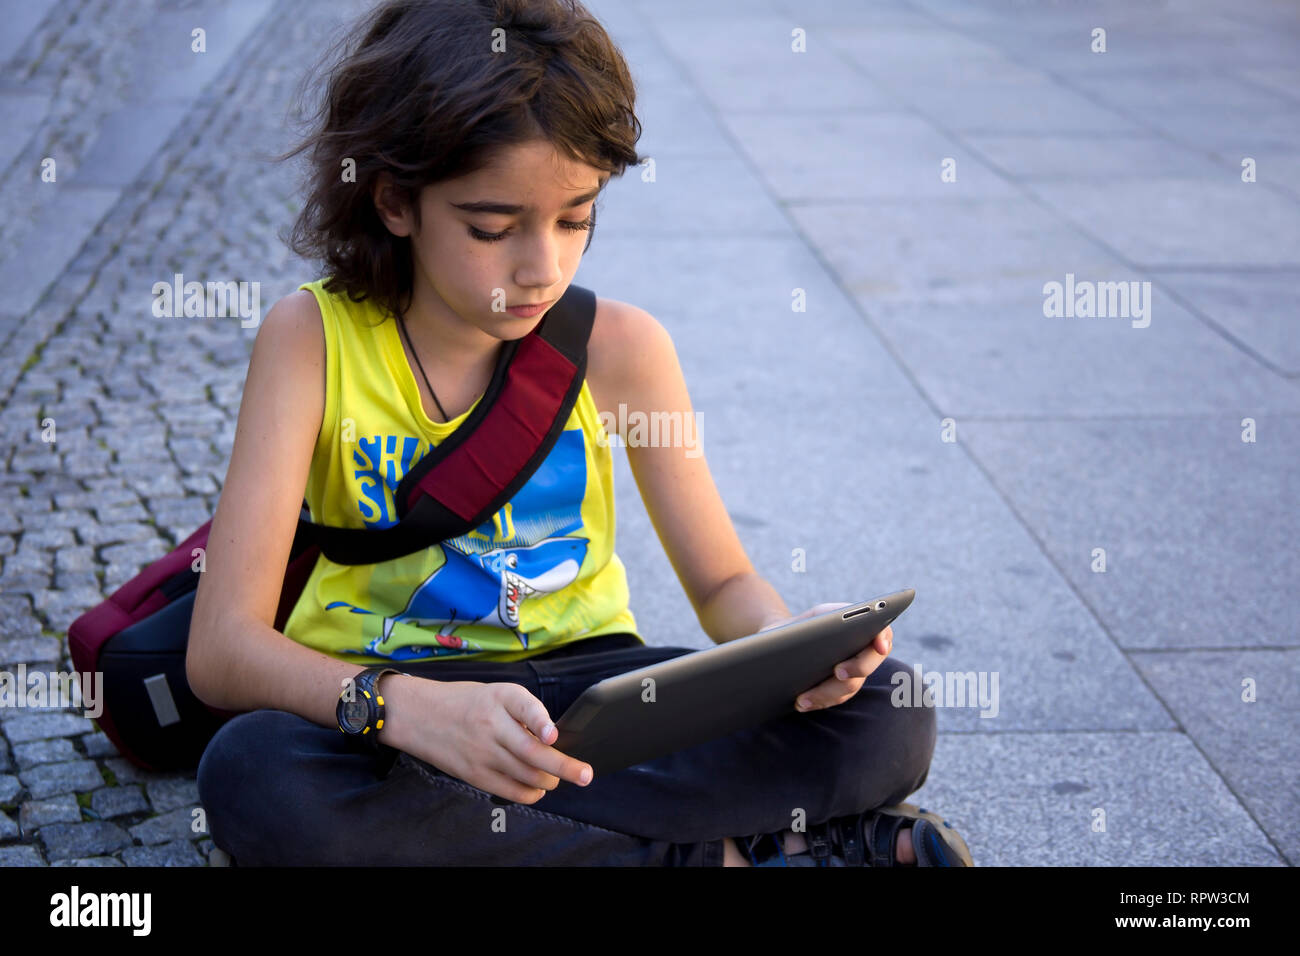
{"x": 497, "y": 236}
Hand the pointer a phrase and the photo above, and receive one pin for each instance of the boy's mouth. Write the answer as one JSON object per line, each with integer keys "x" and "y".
{"x": 528, "y": 311}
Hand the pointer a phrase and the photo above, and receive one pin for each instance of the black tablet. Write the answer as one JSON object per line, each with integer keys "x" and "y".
{"x": 655, "y": 710}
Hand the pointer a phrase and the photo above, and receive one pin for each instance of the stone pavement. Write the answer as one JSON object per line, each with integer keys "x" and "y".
{"x": 1097, "y": 510}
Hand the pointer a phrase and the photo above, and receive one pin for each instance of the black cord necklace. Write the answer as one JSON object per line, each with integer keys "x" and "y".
{"x": 406, "y": 335}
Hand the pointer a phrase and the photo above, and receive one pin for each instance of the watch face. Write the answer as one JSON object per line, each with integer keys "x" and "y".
{"x": 355, "y": 714}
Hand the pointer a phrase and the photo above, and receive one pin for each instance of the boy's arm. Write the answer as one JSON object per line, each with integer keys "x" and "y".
{"x": 743, "y": 605}
{"x": 235, "y": 659}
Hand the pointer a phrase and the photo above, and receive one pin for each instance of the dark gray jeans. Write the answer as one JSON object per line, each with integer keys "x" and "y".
{"x": 281, "y": 790}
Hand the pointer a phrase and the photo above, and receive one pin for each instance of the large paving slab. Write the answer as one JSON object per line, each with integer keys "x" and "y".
{"x": 1005, "y": 357}
{"x": 1255, "y": 308}
{"x": 745, "y": 334}
{"x": 763, "y": 63}
{"x": 21, "y": 115}
{"x": 675, "y": 120}
{"x": 690, "y": 196}
{"x": 171, "y": 70}
{"x": 1243, "y": 710}
{"x": 1033, "y": 800}
{"x": 166, "y": 75}
{"x": 1057, "y": 157}
{"x": 852, "y": 156}
{"x": 950, "y": 249}
{"x": 1138, "y": 36}
{"x": 1161, "y": 221}
{"x": 837, "y": 14}
{"x": 21, "y": 18}
{"x": 1147, "y": 93}
{"x": 72, "y": 214}
{"x": 1198, "y": 527}
{"x": 965, "y": 84}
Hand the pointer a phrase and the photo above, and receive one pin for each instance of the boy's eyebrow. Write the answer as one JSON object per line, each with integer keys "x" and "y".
{"x": 511, "y": 209}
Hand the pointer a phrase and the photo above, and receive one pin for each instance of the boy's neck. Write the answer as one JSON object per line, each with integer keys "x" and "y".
{"x": 446, "y": 343}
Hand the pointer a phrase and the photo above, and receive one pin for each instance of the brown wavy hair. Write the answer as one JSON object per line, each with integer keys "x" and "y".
{"x": 424, "y": 97}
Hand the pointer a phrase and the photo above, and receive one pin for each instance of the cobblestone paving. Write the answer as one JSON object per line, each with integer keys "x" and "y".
{"x": 144, "y": 408}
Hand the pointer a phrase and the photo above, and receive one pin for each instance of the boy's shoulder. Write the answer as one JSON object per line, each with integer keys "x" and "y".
{"x": 620, "y": 327}
{"x": 626, "y": 343}
{"x": 298, "y": 310}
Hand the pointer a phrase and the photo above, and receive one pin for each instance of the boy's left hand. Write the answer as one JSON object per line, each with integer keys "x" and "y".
{"x": 836, "y": 690}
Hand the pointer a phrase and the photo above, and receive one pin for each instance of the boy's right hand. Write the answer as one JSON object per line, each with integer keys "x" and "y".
{"x": 494, "y": 736}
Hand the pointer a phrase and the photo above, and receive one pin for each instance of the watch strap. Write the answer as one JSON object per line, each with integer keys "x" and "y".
{"x": 366, "y": 683}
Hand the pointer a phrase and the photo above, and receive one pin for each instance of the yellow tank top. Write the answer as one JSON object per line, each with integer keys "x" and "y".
{"x": 540, "y": 573}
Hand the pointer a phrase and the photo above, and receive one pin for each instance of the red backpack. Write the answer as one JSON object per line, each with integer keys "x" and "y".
{"x": 137, "y": 637}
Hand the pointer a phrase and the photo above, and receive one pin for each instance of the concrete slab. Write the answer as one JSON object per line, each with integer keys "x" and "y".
{"x": 1159, "y": 221}
{"x": 21, "y": 115}
{"x": 675, "y": 121}
{"x": 68, "y": 219}
{"x": 1033, "y": 800}
{"x": 968, "y": 13}
{"x": 690, "y": 196}
{"x": 951, "y": 249}
{"x": 730, "y": 312}
{"x": 1005, "y": 358}
{"x": 838, "y": 14}
{"x": 666, "y": 10}
{"x": 1251, "y": 743}
{"x": 855, "y": 156}
{"x": 21, "y": 18}
{"x": 127, "y": 140}
{"x": 170, "y": 71}
{"x": 750, "y": 63}
{"x": 1279, "y": 78}
{"x": 1054, "y": 157}
{"x": 1197, "y": 526}
{"x": 1272, "y": 139}
{"x": 1137, "y": 37}
{"x": 875, "y": 47}
{"x": 622, "y": 18}
{"x": 1041, "y": 106}
{"x": 1255, "y": 307}
{"x": 1150, "y": 92}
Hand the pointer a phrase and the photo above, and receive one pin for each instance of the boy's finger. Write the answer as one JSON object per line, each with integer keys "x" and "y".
{"x": 535, "y": 754}
{"x": 525, "y": 773}
{"x": 817, "y": 696}
{"x": 531, "y": 712}
{"x": 506, "y": 788}
{"x": 859, "y": 665}
{"x": 833, "y": 691}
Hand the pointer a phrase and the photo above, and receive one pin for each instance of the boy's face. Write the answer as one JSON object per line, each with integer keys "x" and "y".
{"x": 461, "y": 275}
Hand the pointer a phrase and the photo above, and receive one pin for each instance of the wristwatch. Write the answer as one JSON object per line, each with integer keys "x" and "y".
{"x": 360, "y": 710}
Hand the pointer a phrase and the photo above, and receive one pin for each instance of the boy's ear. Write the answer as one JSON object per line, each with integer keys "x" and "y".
{"x": 393, "y": 213}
